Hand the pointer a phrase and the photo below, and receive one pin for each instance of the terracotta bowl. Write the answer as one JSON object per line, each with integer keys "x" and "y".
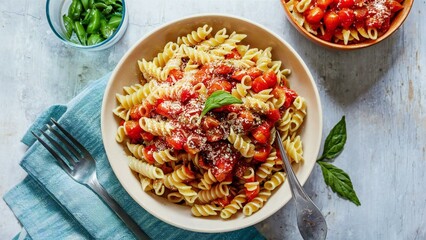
{"x": 396, "y": 22}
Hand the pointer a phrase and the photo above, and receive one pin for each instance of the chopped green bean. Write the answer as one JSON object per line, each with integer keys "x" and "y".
{"x": 114, "y": 21}
{"x": 85, "y": 4}
{"x": 94, "y": 39}
{"x": 68, "y": 24}
{"x": 106, "y": 29}
{"x": 81, "y": 33}
{"x": 95, "y": 22}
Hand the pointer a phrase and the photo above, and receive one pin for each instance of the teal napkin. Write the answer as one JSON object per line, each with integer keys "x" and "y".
{"x": 50, "y": 205}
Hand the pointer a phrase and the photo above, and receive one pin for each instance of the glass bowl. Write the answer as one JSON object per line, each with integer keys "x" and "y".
{"x": 56, "y": 9}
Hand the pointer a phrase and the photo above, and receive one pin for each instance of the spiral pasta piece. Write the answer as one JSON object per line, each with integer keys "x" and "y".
{"x": 218, "y": 191}
{"x": 164, "y": 156}
{"x": 145, "y": 168}
{"x": 207, "y": 180}
{"x": 235, "y": 205}
{"x": 156, "y": 128}
{"x": 265, "y": 168}
{"x": 257, "y": 202}
{"x": 205, "y": 210}
{"x": 242, "y": 145}
{"x": 199, "y": 56}
{"x": 298, "y": 115}
{"x": 294, "y": 149}
{"x": 240, "y": 90}
{"x": 277, "y": 179}
{"x": 257, "y": 105}
{"x": 195, "y": 37}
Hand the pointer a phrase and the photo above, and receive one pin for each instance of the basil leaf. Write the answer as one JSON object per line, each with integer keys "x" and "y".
{"x": 335, "y": 141}
{"x": 339, "y": 182}
{"x": 217, "y": 99}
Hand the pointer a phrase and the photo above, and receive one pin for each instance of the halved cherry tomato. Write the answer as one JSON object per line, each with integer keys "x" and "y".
{"x": 238, "y": 75}
{"x": 254, "y": 72}
{"x": 345, "y": 4}
{"x": 252, "y": 194}
{"x": 247, "y": 119}
{"x": 147, "y": 136}
{"x": 233, "y": 55}
{"x": 135, "y": 113}
{"x": 166, "y": 169}
{"x": 331, "y": 21}
{"x": 169, "y": 108}
{"x": 394, "y": 6}
{"x": 273, "y": 115}
{"x": 148, "y": 153}
{"x": 278, "y": 91}
{"x": 270, "y": 78}
{"x": 262, "y": 153}
{"x": 209, "y": 122}
{"x": 346, "y": 17}
{"x": 192, "y": 143}
{"x": 290, "y": 95}
{"x": 187, "y": 94}
{"x": 222, "y": 167}
{"x": 214, "y": 134}
{"x": 219, "y": 85}
{"x": 223, "y": 69}
{"x": 203, "y": 75}
{"x": 315, "y": 15}
{"x": 175, "y": 75}
{"x": 133, "y": 129}
{"x": 360, "y": 14}
{"x": 176, "y": 140}
{"x": 259, "y": 84}
{"x": 323, "y": 4}
{"x": 224, "y": 201}
{"x": 262, "y": 133}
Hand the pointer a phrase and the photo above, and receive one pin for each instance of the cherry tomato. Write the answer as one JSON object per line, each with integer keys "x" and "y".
{"x": 394, "y": 6}
{"x": 259, "y": 84}
{"x": 166, "y": 169}
{"x": 193, "y": 142}
{"x": 220, "y": 85}
{"x": 346, "y": 17}
{"x": 148, "y": 153}
{"x": 270, "y": 78}
{"x": 262, "y": 133}
{"x": 135, "y": 113}
{"x": 169, "y": 108}
{"x": 323, "y": 4}
{"x": 345, "y": 4}
{"x": 290, "y": 95}
{"x": 209, "y": 122}
{"x": 133, "y": 129}
{"x": 273, "y": 115}
{"x": 223, "y": 69}
{"x": 262, "y": 153}
{"x": 238, "y": 75}
{"x": 331, "y": 21}
{"x": 254, "y": 72}
{"x": 176, "y": 140}
{"x": 252, "y": 194}
{"x": 222, "y": 167}
{"x": 203, "y": 75}
{"x": 175, "y": 75}
{"x": 214, "y": 134}
{"x": 224, "y": 201}
{"x": 233, "y": 55}
{"x": 360, "y": 14}
{"x": 147, "y": 136}
{"x": 247, "y": 119}
{"x": 187, "y": 94}
{"x": 315, "y": 15}
{"x": 278, "y": 91}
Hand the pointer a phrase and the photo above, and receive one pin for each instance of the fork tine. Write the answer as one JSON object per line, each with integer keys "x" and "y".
{"x": 60, "y": 161}
{"x": 60, "y": 149}
{"x": 72, "y": 139}
{"x": 64, "y": 141}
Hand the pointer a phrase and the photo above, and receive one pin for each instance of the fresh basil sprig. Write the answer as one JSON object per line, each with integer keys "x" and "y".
{"x": 338, "y": 180}
{"x": 218, "y": 99}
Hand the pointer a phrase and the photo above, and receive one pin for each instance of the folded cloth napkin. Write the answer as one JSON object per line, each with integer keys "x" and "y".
{"x": 49, "y": 204}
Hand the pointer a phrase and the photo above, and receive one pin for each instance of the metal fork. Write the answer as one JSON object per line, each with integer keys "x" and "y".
{"x": 77, "y": 162}
{"x": 310, "y": 221}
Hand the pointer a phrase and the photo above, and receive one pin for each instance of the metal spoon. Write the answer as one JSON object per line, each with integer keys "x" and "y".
{"x": 310, "y": 221}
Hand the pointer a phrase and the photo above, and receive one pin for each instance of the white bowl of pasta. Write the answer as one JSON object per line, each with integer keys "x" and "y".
{"x": 189, "y": 115}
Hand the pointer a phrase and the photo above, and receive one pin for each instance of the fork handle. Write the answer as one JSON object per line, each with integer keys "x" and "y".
{"x": 97, "y": 188}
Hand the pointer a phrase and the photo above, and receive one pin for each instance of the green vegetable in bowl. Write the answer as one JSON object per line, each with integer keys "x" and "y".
{"x": 92, "y": 21}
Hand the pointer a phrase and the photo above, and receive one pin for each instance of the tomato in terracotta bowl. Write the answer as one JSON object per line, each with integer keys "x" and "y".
{"x": 347, "y": 24}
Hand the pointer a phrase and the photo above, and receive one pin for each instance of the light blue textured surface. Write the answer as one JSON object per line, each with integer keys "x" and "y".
{"x": 31, "y": 204}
